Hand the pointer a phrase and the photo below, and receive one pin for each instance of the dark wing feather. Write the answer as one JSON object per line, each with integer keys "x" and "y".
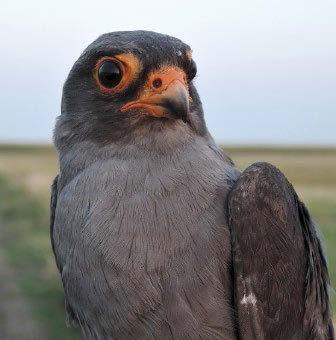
{"x": 280, "y": 273}
{"x": 53, "y": 204}
{"x": 70, "y": 317}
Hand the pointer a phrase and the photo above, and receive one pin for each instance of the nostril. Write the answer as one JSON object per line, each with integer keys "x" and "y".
{"x": 157, "y": 82}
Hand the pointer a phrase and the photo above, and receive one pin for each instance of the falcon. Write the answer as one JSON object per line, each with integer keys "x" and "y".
{"x": 156, "y": 234}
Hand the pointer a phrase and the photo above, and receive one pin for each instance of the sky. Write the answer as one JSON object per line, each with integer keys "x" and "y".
{"x": 266, "y": 68}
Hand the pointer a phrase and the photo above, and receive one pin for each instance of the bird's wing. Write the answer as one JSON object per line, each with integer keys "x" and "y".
{"x": 53, "y": 204}
{"x": 280, "y": 273}
{"x": 70, "y": 317}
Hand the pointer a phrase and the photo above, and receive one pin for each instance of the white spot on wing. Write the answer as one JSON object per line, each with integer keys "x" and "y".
{"x": 249, "y": 299}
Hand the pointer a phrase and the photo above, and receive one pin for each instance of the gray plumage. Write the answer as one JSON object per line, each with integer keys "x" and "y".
{"x": 150, "y": 238}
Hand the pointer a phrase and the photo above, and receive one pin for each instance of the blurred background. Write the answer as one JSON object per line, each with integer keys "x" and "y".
{"x": 267, "y": 79}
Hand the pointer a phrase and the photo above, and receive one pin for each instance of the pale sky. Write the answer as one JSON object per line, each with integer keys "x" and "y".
{"x": 266, "y": 68}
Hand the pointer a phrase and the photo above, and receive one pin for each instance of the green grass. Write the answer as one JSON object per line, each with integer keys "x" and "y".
{"x": 26, "y": 247}
{"x": 324, "y": 212}
{"x": 27, "y": 172}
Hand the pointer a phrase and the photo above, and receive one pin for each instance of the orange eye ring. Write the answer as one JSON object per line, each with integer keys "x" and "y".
{"x": 129, "y": 68}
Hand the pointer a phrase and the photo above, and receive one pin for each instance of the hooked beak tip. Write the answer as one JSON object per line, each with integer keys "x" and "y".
{"x": 175, "y": 100}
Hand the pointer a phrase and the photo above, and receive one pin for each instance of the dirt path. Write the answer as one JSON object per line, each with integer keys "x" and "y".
{"x": 15, "y": 314}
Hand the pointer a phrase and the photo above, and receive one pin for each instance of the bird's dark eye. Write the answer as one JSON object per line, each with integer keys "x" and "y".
{"x": 192, "y": 70}
{"x": 110, "y": 74}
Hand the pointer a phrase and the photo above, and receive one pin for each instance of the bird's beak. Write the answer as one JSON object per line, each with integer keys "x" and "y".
{"x": 164, "y": 95}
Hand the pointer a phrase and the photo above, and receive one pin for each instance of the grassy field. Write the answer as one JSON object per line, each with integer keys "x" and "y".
{"x": 25, "y": 176}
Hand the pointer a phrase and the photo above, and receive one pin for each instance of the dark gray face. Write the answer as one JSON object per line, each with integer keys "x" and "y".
{"x": 128, "y": 81}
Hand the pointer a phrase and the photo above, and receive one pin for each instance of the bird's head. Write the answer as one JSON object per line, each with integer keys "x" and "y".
{"x": 126, "y": 82}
